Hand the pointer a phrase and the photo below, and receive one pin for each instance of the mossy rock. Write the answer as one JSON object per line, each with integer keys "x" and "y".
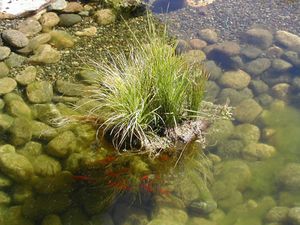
{"x": 51, "y": 219}
{"x": 247, "y": 133}
{"x": 20, "y": 131}
{"x": 219, "y": 131}
{"x": 62, "y": 145}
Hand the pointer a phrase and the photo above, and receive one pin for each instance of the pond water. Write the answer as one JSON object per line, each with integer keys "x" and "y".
{"x": 251, "y": 50}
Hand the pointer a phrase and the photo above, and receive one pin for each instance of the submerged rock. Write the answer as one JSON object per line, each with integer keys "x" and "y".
{"x": 235, "y": 79}
{"x": 208, "y": 35}
{"x": 259, "y": 37}
{"x": 68, "y": 20}
{"x": 62, "y": 145}
{"x": 247, "y": 111}
{"x": 4, "y": 70}
{"x": 258, "y": 151}
{"x": 4, "y": 52}
{"x": 46, "y": 166}
{"x": 27, "y": 76}
{"x": 51, "y": 220}
{"x": 7, "y": 85}
{"x": 45, "y": 54}
{"x": 15, "y": 38}
{"x": 19, "y": 109}
{"x": 105, "y": 16}
{"x": 288, "y": 40}
{"x": 289, "y": 177}
{"x": 294, "y": 215}
{"x": 258, "y": 66}
{"x": 39, "y": 92}
{"x": 247, "y": 133}
{"x": 20, "y": 131}
{"x": 61, "y": 39}
{"x": 277, "y": 214}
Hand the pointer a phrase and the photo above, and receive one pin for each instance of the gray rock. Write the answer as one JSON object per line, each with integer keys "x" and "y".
{"x": 182, "y": 46}
{"x": 61, "y": 39}
{"x": 251, "y": 52}
{"x": 4, "y": 70}
{"x": 258, "y": 87}
{"x": 20, "y": 131}
{"x": 227, "y": 48}
{"x": 288, "y": 40}
{"x": 197, "y": 43}
{"x": 247, "y": 133}
{"x": 15, "y": 38}
{"x": 294, "y": 215}
{"x": 51, "y": 220}
{"x": 42, "y": 131}
{"x": 235, "y": 79}
{"x": 71, "y": 89}
{"x": 279, "y": 65}
{"x": 258, "y": 151}
{"x": 27, "y": 76}
{"x": 62, "y": 145}
{"x": 58, "y": 5}
{"x": 15, "y": 60}
{"x": 247, "y": 111}
{"x": 16, "y": 166}
{"x": 39, "y": 92}
{"x": 105, "y": 16}
{"x": 277, "y": 214}
{"x": 257, "y": 66}
{"x": 18, "y": 108}
{"x": 292, "y": 57}
{"x": 214, "y": 71}
{"x": 45, "y": 54}
{"x": 7, "y": 85}
{"x": 46, "y": 166}
{"x": 259, "y": 37}
{"x": 208, "y": 35}
{"x": 30, "y": 27}
{"x": 49, "y": 20}
{"x": 289, "y": 177}
{"x": 68, "y": 20}
{"x": 4, "y": 52}
{"x": 281, "y": 91}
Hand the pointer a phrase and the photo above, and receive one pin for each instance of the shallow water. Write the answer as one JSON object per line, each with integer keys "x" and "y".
{"x": 249, "y": 180}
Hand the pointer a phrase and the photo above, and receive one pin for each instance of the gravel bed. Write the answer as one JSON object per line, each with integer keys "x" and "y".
{"x": 232, "y": 17}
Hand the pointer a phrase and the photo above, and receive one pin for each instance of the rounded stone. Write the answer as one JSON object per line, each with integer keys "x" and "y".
{"x": 247, "y": 133}
{"x": 20, "y": 131}
{"x": 61, "y": 39}
{"x": 30, "y": 27}
{"x": 289, "y": 176}
{"x": 7, "y": 85}
{"x": 27, "y": 76}
{"x": 4, "y": 52}
{"x": 194, "y": 57}
{"x": 277, "y": 214}
{"x": 258, "y": 151}
{"x": 259, "y": 37}
{"x": 73, "y": 7}
{"x": 62, "y": 145}
{"x": 68, "y": 20}
{"x": 105, "y": 16}
{"x": 182, "y": 46}
{"x": 46, "y": 166}
{"x": 258, "y": 66}
{"x": 88, "y": 32}
{"x": 258, "y": 87}
{"x": 251, "y": 52}
{"x": 294, "y": 215}
{"x": 51, "y": 220}
{"x": 49, "y": 20}
{"x": 279, "y": 65}
{"x": 18, "y": 108}
{"x": 247, "y": 111}
{"x": 214, "y": 71}
{"x": 39, "y": 92}
{"x": 230, "y": 148}
{"x": 235, "y": 79}
{"x": 4, "y": 70}
{"x": 15, "y": 38}
{"x": 281, "y": 91}
{"x": 288, "y": 40}
{"x": 45, "y": 54}
{"x": 208, "y": 35}
{"x": 233, "y": 96}
{"x": 197, "y": 43}
{"x": 16, "y": 166}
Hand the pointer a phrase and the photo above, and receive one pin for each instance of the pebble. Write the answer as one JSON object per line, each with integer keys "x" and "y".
{"x": 105, "y": 16}
{"x": 27, "y": 76}
{"x": 7, "y": 85}
{"x": 68, "y": 20}
{"x": 89, "y": 32}
{"x": 4, "y": 52}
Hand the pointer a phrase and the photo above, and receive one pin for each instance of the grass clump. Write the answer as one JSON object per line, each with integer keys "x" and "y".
{"x": 142, "y": 94}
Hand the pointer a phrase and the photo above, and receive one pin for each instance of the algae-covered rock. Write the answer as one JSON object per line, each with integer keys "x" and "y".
{"x": 21, "y": 192}
{"x": 294, "y": 215}
{"x": 31, "y": 150}
{"x": 14, "y": 216}
{"x": 42, "y": 205}
{"x": 42, "y": 131}
{"x": 75, "y": 216}
{"x": 258, "y": 66}
{"x": 71, "y": 89}
{"x": 18, "y": 108}
{"x": 235, "y": 198}
{"x": 15, "y": 60}
{"x": 258, "y": 151}
{"x": 51, "y": 219}
{"x": 259, "y": 37}
{"x": 39, "y": 92}
{"x": 277, "y": 214}
{"x": 125, "y": 215}
{"x": 230, "y": 148}
{"x": 289, "y": 177}
{"x": 62, "y": 145}
{"x": 193, "y": 57}
{"x": 5, "y": 122}
{"x": 4, "y": 181}
{"x": 45, "y": 54}
{"x": 211, "y": 91}
{"x": 46, "y": 166}
{"x": 105, "y": 16}
{"x": 4, "y": 198}
{"x": 85, "y": 133}
{"x": 20, "y": 131}
{"x": 235, "y": 79}
{"x": 200, "y": 221}
{"x": 234, "y": 97}
{"x": 219, "y": 131}
{"x": 7, "y": 149}
{"x": 61, "y": 39}
{"x": 163, "y": 214}
{"x": 7, "y": 85}
{"x": 4, "y": 70}
{"x": 16, "y": 166}
{"x": 27, "y": 76}
{"x": 247, "y": 111}
{"x": 46, "y": 113}
{"x": 247, "y": 133}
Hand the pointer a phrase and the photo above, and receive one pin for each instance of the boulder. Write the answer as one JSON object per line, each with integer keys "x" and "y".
{"x": 208, "y": 35}
{"x": 4, "y": 52}
{"x": 61, "y": 39}
{"x": 257, "y": 66}
{"x": 7, "y": 85}
{"x": 15, "y": 38}
{"x": 16, "y": 166}
{"x": 27, "y": 76}
{"x": 45, "y": 54}
{"x": 30, "y": 27}
{"x": 288, "y": 40}
{"x": 258, "y": 151}
{"x": 5, "y": 122}
{"x": 42, "y": 131}
{"x": 235, "y": 79}
{"x": 105, "y": 16}
{"x": 259, "y": 37}
{"x": 258, "y": 87}
{"x": 20, "y": 131}
{"x": 39, "y": 92}
{"x": 68, "y": 20}
{"x": 247, "y": 111}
